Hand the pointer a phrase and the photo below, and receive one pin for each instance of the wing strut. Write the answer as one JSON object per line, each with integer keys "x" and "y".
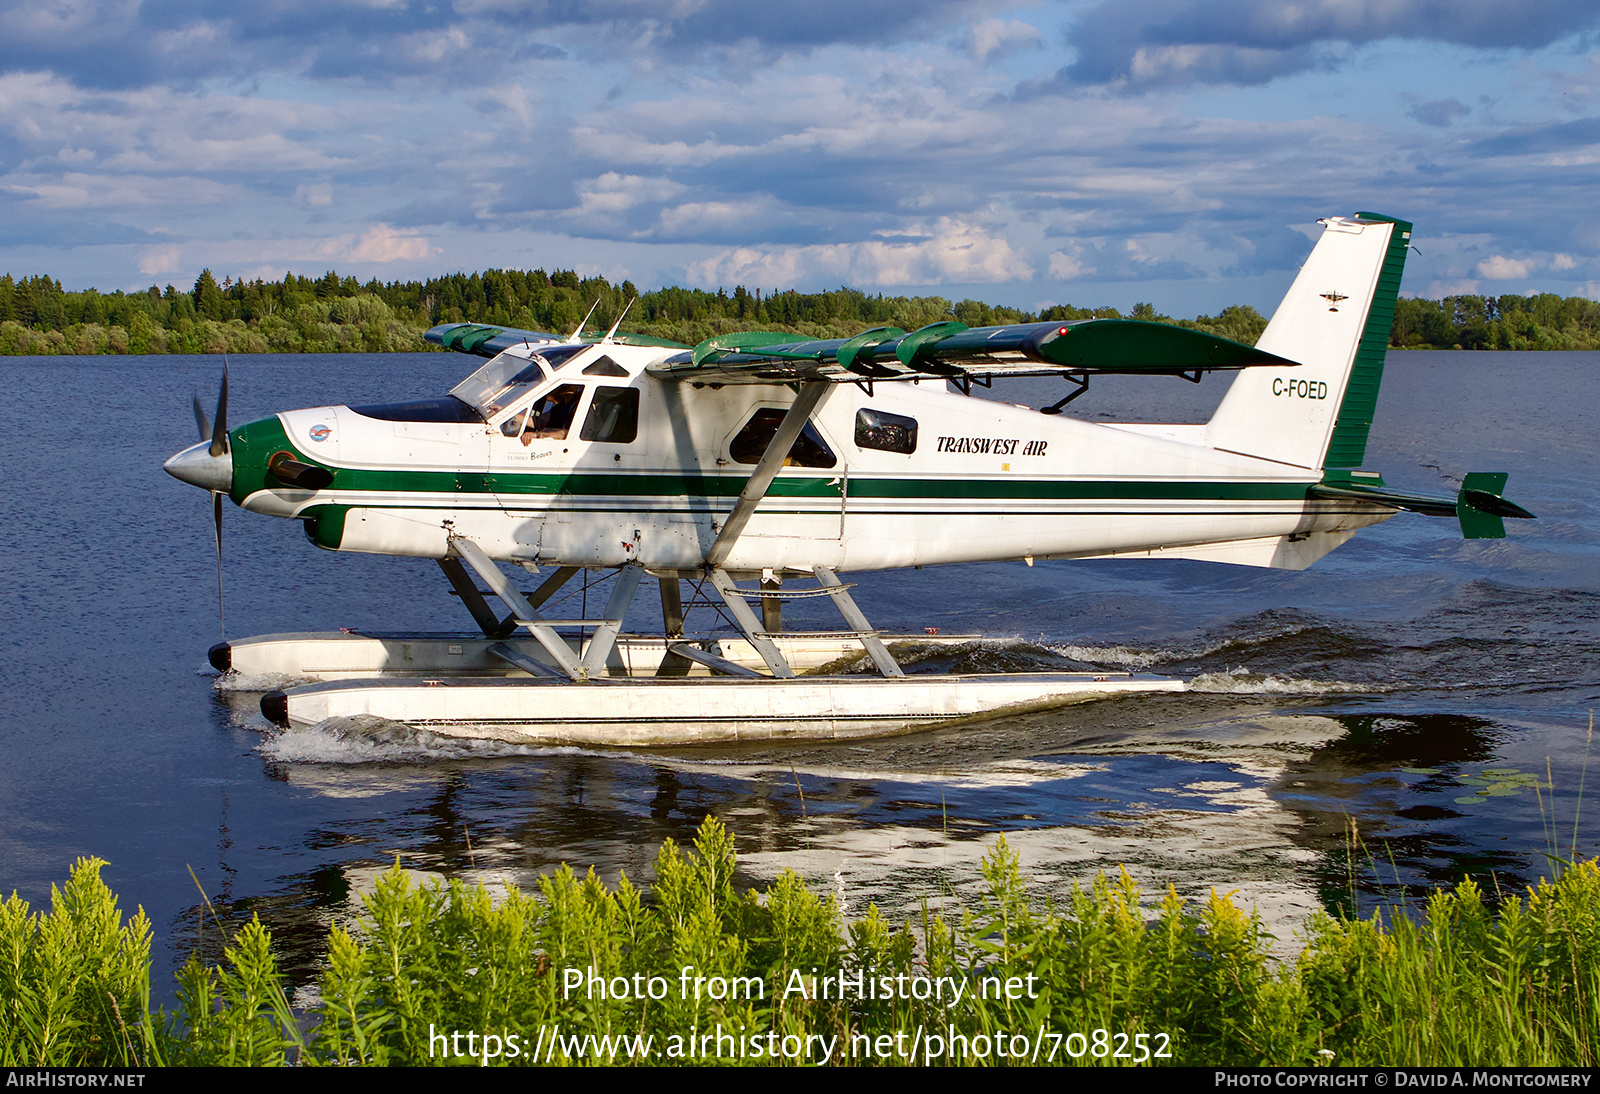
{"x": 755, "y": 488}
{"x": 760, "y": 480}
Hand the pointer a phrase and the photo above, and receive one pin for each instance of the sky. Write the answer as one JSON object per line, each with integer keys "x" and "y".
{"x": 1078, "y": 151}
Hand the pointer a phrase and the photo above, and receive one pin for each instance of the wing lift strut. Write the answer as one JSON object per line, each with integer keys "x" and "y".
{"x": 589, "y": 661}
{"x": 761, "y": 632}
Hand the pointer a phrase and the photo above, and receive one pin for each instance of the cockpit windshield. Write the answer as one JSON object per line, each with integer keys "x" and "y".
{"x": 511, "y": 375}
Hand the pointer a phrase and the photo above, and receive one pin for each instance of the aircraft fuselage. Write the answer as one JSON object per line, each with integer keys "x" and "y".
{"x": 909, "y": 475}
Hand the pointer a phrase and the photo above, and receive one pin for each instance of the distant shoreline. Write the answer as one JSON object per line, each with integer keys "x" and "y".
{"x": 331, "y": 314}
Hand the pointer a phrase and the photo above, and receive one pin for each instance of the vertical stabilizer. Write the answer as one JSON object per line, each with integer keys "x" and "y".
{"x": 1335, "y": 321}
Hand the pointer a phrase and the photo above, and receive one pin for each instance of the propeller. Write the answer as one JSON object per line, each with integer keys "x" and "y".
{"x": 218, "y": 436}
{"x": 209, "y": 465}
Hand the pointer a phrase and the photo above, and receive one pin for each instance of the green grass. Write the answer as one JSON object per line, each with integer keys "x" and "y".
{"x": 1455, "y": 985}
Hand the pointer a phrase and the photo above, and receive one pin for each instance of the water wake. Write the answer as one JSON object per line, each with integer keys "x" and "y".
{"x": 366, "y": 738}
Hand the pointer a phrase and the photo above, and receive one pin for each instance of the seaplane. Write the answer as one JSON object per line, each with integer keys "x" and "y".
{"x": 758, "y": 468}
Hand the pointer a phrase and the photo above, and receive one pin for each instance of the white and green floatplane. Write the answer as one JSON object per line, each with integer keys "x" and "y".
{"x": 759, "y": 468}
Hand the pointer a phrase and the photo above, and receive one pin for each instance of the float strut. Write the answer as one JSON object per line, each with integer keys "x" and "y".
{"x": 605, "y": 635}
{"x": 771, "y": 606}
{"x": 486, "y": 618}
{"x": 672, "y": 663}
{"x": 488, "y": 621}
{"x": 858, "y": 621}
{"x": 734, "y": 597}
{"x": 525, "y": 613}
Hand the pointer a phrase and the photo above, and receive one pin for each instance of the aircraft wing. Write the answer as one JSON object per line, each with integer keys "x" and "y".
{"x": 953, "y": 351}
{"x": 487, "y": 339}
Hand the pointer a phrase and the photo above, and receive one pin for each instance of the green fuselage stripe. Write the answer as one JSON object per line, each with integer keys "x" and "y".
{"x": 254, "y": 444}
{"x": 699, "y": 486}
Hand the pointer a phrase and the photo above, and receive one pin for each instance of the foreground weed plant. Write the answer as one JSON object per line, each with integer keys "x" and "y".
{"x": 700, "y": 971}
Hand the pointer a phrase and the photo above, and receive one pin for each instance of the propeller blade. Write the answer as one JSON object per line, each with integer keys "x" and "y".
{"x": 219, "y": 433}
{"x": 201, "y": 420}
{"x": 216, "y": 520}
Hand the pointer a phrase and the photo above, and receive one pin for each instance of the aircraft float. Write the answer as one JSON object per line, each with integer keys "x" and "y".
{"x": 759, "y": 467}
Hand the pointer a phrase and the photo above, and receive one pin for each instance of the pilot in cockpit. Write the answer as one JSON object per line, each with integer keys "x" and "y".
{"x": 551, "y": 416}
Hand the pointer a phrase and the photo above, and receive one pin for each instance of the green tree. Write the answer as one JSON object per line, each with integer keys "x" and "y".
{"x": 207, "y": 296}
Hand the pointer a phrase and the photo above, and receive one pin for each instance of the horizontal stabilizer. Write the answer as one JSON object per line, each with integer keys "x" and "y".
{"x": 1479, "y": 506}
{"x": 953, "y": 351}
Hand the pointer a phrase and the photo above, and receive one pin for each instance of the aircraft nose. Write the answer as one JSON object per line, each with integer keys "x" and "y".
{"x": 196, "y": 466}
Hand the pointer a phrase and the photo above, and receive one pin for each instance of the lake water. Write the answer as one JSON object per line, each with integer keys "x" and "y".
{"x": 1381, "y": 689}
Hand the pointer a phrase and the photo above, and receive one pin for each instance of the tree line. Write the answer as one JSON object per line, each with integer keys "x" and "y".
{"x": 331, "y": 313}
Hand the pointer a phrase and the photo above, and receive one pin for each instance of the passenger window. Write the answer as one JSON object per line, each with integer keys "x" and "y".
{"x": 613, "y": 416}
{"x": 808, "y": 450}
{"x": 885, "y": 432}
{"x": 552, "y": 414}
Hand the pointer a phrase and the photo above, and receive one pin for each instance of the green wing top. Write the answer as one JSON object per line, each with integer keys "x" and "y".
{"x": 954, "y": 351}
{"x": 486, "y": 340}
{"x": 947, "y": 350}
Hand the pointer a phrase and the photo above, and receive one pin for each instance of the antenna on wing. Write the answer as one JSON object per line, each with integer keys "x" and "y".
{"x": 620, "y": 318}
{"x": 578, "y": 331}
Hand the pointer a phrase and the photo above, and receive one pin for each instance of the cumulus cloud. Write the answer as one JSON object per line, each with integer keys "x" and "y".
{"x": 712, "y": 219}
{"x": 154, "y": 261}
{"x": 381, "y": 243}
{"x": 264, "y": 273}
{"x": 617, "y": 193}
{"x": 119, "y": 44}
{"x": 880, "y": 144}
{"x": 1500, "y": 268}
{"x": 102, "y": 190}
{"x": 1065, "y": 267}
{"x": 954, "y": 252}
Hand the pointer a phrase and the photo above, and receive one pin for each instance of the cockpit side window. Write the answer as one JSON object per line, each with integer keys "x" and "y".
{"x": 808, "y": 450}
{"x": 551, "y": 415}
{"x": 613, "y": 416}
